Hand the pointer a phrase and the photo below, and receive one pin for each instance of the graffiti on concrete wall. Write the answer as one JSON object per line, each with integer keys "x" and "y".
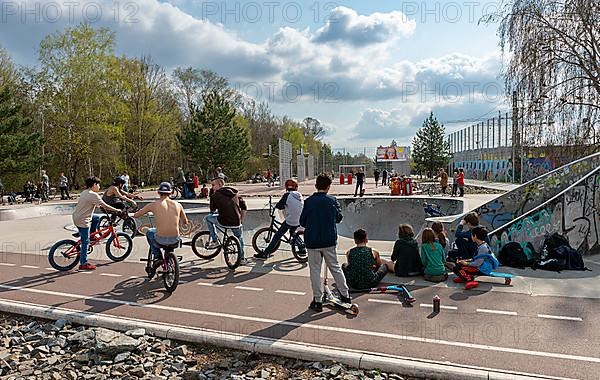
{"x": 574, "y": 214}
{"x": 490, "y": 170}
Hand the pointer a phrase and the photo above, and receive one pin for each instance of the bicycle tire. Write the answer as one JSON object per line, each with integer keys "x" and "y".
{"x": 199, "y": 243}
{"x": 263, "y": 235}
{"x": 129, "y": 227}
{"x": 171, "y": 275}
{"x": 56, "y": 253}
{"x": 125, "y": 240}
{"x": 299, "y": 248}
{"x": 232, "y": 252}
{"x": 176, "y": 193}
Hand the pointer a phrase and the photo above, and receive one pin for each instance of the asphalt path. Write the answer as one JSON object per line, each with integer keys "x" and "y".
{"x": 546, "y": 335}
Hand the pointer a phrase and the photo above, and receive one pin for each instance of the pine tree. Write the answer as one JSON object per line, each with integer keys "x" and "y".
{"x": 19, "y": 146}
{"x": 430, "y": 149}
{"x": 214, "y": 137}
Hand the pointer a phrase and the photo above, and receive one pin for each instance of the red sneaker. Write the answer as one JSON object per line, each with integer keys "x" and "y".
{"x": 87, "y": 266}
{"x": 471, "y": 284}
{"x": 458, "y": 280}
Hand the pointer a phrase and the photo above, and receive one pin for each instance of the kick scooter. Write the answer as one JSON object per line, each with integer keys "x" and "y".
{"x": 330, "y": 299}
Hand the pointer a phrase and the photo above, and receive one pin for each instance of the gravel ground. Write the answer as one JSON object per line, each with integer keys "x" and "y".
{"x": 53, "y": 350}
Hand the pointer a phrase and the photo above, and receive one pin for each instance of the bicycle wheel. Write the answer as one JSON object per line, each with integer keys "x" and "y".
{"x": 232, "y": 250}
{"x": 171, "y": 274}
{"x": 129, "y": 226}
{"x": 64, "y": 255}
{"x": 116, "y": 253}
{"x": 262, "y": 238}
{"x": 176, "y": 193}
{"x": 200, "y": 243}
{"x": 299, "y": 248}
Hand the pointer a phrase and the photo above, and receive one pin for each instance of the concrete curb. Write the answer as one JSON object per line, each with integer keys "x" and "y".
{"x": 367, "y": 361}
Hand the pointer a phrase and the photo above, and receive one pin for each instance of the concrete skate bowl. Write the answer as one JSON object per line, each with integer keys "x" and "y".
{"x": 37, "y": 211}
{"x": 529, "y": 196}
{"x": 572, "y": 213}
{"x": 379, "y": 216}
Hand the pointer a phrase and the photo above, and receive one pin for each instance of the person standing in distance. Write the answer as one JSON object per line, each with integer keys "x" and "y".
{"x": 360, "y": 181}
{"x": 319, "y": 217}
{"x": 376, "y": 175}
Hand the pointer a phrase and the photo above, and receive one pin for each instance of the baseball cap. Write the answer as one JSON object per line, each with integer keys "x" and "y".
{"x": 164, "y": 188}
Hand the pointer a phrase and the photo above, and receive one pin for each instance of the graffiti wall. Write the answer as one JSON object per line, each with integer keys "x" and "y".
{"x": 573, "y": 214}
{"x": 512, "y": 205}
{"x": 500, "y": 170}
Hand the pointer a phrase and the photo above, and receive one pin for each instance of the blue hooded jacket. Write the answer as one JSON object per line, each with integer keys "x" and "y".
{"x": 319, "y": 217}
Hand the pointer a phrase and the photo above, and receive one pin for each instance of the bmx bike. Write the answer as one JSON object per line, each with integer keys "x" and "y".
{"x": 169, "y": 264}
{"x": 229, "y": 244}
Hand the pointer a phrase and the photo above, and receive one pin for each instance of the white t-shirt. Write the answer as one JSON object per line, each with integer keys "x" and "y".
{"x": 88, "y": 200}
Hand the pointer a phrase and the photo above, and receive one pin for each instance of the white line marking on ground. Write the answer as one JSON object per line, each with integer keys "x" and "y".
{"x": 385, "y": 301}
{"x": 111, "y": 275}
{"x": 335, "y": 329}
{"x": 560, "y": 317}
{"x": 7, "y": 264}
{"x": 490, "y": 311}
{"x": 290, "y": 292}
{"x": 84, "y": 272}
{"x": 249, "y": 288}
{"x": 30, "y": 266}
{"x": 441, "y": 306}
{"x": 52, "y": 269}
{"x": 209, "y": 284}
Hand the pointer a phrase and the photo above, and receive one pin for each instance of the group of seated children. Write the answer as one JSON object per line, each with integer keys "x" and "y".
{"x": 365, "y": 268}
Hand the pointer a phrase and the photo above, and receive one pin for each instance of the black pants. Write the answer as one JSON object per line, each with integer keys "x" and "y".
{"x": 358, "y": 184}
{"x": 376, "y": 180}
{"x": 444, "y": 189}
{"x": 462, "y": 191}
{"x": 64, "y": 193}
{"x": 454, "y": 188}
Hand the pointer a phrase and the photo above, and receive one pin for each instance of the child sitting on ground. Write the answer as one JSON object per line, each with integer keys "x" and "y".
{"x": 440, "y": 237}
{"x": 482, "y": 264}
{"x": 365, "y": 268}
{"x": 405, "y": 256}
{"x": 432, "y": 257}
{"x": 465, "y": 246}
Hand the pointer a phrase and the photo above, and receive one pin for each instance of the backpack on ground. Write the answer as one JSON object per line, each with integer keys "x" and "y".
{"x": 513, "y": 255}
{"x": 570, "y": 257}
{"x": 554, "y": 241}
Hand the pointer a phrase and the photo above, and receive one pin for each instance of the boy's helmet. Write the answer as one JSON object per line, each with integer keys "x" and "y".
{"x": 291, "y": 184}
{"x": 118, "y": 181}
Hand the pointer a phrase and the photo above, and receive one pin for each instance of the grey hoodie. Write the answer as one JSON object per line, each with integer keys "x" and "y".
{"x": 292, "y": 204}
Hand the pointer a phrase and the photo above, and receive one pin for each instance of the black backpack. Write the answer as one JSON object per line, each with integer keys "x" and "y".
{"x": 554, "y": 241}
{"x": 513, "y": 255}
{"x": 569, "y": 257}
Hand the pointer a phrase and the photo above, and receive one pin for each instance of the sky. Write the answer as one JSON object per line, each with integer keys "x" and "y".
{"x": 369, "y": 71}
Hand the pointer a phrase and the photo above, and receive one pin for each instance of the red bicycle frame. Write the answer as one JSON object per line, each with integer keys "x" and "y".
{"x": 95, "y": 238}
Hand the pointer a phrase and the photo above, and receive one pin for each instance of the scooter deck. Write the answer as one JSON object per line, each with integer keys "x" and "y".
{"x": 506, "y": 276}
{"x": 388, "y": 289}
{"x": 350, "y": 308}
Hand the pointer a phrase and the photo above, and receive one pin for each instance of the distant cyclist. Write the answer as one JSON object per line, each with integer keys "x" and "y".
{"x": 116, "y": 197}
{"x": 292, "y": 203}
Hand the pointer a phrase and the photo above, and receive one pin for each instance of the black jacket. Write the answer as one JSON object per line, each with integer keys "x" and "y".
{"x": 407, "y": 258}
{"x": 229, "y": 204}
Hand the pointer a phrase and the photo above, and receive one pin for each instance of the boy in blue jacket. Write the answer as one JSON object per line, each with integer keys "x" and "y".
{"x": 319, "y": 217}
{"x": 483, "y": 263}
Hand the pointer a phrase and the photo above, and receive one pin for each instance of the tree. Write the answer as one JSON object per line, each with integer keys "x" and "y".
{"x": 19, "y": 145}
{"x": 430, "y": 150}
{"x": 554, "y": 67}
{"x": 215, "y": 137}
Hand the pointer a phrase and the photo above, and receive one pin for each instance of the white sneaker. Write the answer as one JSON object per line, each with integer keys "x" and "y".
{"x": 212, "y": 245}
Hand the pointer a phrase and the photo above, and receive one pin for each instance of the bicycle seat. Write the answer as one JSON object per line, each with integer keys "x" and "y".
{"x": 231, "y": 227}
{"x": 169, "y": 246}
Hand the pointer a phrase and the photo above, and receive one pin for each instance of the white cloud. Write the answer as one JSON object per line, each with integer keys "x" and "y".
{"x": 347, "y": 26}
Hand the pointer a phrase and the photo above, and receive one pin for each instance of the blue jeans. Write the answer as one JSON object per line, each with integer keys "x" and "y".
{"x": 211, "y": 220}
{"x": 154, "y": 240}
{"x": 277, "y": 237}
{"x": 84, "y": 234}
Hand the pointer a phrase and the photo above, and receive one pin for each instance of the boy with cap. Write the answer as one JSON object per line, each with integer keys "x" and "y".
{"x": 167, "y": 214}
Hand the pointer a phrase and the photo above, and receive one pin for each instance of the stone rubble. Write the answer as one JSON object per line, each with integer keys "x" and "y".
{"x": 35, "y": 349}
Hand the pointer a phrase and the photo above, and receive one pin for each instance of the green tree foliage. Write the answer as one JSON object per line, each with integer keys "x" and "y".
{"x": 430, "y": 151}
{"x": 19, "y": 145}
{"x": 216, "y": 137}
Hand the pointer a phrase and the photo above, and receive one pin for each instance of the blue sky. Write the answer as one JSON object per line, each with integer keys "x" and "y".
{"x": 369, "y": 71}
